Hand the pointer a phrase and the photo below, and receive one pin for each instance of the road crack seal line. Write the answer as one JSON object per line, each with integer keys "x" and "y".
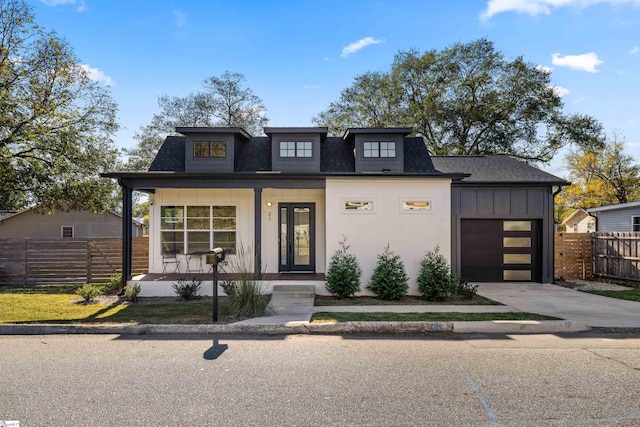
{"x": 476, "y": 390}
{"x": 611, "y": 359}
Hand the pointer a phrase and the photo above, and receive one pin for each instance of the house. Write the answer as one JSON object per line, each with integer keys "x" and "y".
{"x": 579, "y": 222}
{"x": 30, "y": 223}
{"x": 623, "y": 217}
{"x": 292, "y": 195}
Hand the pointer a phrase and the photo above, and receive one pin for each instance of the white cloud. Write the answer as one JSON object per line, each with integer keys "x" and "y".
{"x": 585, "y": 62}
{"x": 180, "y": 18}
{"x": 53, "y": 3}
{"x": 544, "y": 68}
{"x": 97, "y": 75}
{"x": 356, "y": 46}
{"x": 543, "y": 7}
{"x": 560, "y": 91}
{"x": 635, "y": 50}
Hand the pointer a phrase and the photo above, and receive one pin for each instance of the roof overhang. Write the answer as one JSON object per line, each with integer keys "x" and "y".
{"x": 235, "y": 130}
{"x": 296, "y": 130}
{"x": 615, "y": 207}
{"x": 396, "y": 131}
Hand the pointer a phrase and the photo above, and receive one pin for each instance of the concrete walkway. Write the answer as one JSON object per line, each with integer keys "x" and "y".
{"x": 565, "y": 303}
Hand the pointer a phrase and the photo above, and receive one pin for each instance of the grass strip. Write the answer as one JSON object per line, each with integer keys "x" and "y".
{"x": 631, "y": 295}
{"x": 323, "y": 317}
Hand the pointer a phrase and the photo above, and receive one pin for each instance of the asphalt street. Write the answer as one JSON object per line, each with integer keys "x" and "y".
{"x": 352, "y": 380}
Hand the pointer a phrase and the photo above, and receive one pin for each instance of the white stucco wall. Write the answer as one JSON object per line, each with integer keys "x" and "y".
{"x": 270, "y": 224}
{"x": 409, "y": 233}
{"x": 242, "y": 199}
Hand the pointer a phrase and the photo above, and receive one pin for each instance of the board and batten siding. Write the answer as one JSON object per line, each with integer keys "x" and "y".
{"x": 491, "y": 202}
{"x": 616, "y": 220}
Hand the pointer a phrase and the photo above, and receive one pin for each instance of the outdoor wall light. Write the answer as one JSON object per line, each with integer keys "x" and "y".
{"x": 269, "y": 204}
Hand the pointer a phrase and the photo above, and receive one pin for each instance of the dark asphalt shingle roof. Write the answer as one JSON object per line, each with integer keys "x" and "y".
{"x": 170, "y": 156}
{"x": 494, "y": 169}
{"x": 337, "y": 156}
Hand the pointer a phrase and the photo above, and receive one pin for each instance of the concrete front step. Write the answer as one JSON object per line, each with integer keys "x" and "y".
{"x": 295, "y": 288}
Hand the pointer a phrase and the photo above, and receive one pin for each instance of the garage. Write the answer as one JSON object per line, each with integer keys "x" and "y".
{"x": 497, "y": 250}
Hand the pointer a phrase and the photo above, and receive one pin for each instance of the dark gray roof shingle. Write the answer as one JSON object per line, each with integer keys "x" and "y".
{"x": 253, "y": 155}
{"x": 494, "y": 169}
{"x": 336, "y": 155}
{"x": 416, "y": 156}
{"x": 170, "y": 156}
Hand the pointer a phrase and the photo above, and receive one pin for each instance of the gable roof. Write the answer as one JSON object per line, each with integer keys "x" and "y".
{"x": 577, "y": 215}
{"x": 495, "y": 169}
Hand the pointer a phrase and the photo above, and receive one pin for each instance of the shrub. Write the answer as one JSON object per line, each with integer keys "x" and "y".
{"x": 89, "y": 292}
{"x": 467, "y": 290}
{"x": 187, "y": 289}
{"x": 435, "y": 280}
{"x": 245, "y": 296}
{"x": 131, "y": 292}
{"x": 389, "y": 280}
{"x": 114, "y": 285}
{"x": 343, "y": 275}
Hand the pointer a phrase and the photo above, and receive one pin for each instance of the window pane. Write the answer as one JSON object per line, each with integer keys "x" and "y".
{"x": 287, "y": 149}
{"x": 517, "y": 258}
{"x": 172, "y": 242}
{"x": 517, "y": 226}
{"x": 225, "y": 240}
{"x": 198, "y": 241}
{"x": 197, "y": 223}
{"x": 218, "y": 149}
{"x": 359, "y": 206}
{"x": 198, "y": 211}
{"x": 516, "y": 242}
{"x": 171, "y": 217}
{"x": 387, "y": 149}
{"x": 224, "y": 223}
{"x": 224, "y": 211}
{"x": 370, "y": 149}
{"x": 303, "y": 149}
{"x": 201, "y": 149}
{"x": 416, "y": 206}
{"x": 516, "y": 275}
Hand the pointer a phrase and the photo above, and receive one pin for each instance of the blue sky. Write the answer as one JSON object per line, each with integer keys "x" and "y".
{"x": 298, "y": 55}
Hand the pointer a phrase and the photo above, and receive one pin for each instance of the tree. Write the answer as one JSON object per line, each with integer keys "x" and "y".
{"x": 56, "y": 124}
{"x": 223, "y": 102}
{"x": 465, "y": 100}
{"x": 599, "y": 178}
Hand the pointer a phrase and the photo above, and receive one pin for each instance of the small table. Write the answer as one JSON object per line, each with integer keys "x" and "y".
{"x": 200, "y": 255}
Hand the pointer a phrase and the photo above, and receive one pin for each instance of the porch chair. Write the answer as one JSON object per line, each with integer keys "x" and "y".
{"x": 170, "y": 258}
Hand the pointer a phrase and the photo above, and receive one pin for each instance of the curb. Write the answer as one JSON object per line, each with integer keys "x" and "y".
{"x": 483, "y": 327}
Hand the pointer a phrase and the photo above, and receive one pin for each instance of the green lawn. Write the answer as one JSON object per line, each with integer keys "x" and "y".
{"x": 631, "y": 295}
{"x": 323, "y": 317}
{"x": 58, "y": 304}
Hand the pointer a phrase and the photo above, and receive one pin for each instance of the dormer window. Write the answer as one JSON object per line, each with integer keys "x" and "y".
{"x": 209, "y": 149}
{"x": 378, "y": 149}
{"x": 295, "y": 149}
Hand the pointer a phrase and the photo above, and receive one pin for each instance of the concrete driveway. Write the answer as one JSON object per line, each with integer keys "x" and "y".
{"x": 553, "y": 300}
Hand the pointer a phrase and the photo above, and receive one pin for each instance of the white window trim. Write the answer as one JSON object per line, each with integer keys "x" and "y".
{"x": 404, "y": 200}
{"x": 344, "y": 201}
{"x": 73, "y": 231}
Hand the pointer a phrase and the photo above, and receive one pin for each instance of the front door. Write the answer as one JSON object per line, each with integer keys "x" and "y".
{"x": 297, "y": 237}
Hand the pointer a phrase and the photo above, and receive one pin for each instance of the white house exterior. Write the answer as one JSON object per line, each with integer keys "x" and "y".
{"x": 579, "y": 222}
{"x": 291, "y": 197}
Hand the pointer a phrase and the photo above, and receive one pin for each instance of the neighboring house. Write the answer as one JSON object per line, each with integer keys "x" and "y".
{"x": 291, "y": 196}
{"x": 579, "y": 222}
{"x": 624, "y": 217}
{"x": 29, "y": 223}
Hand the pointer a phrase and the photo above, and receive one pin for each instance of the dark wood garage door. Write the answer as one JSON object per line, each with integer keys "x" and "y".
{"x": 500, "y": 250}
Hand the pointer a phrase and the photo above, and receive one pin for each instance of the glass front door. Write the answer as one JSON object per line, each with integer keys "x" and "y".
{"x": 297, "y": 237}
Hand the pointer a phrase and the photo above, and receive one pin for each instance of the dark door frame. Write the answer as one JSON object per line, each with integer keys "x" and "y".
{"x": 289, "y": 266}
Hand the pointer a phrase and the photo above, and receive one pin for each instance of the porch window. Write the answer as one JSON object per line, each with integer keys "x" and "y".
{"x": 188, "y": 229}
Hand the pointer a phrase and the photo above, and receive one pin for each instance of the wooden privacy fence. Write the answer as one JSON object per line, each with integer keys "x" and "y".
{"x": 616, "y": 255}
{"x": 56, "y": 260}
{"x": 572, "y": 256}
